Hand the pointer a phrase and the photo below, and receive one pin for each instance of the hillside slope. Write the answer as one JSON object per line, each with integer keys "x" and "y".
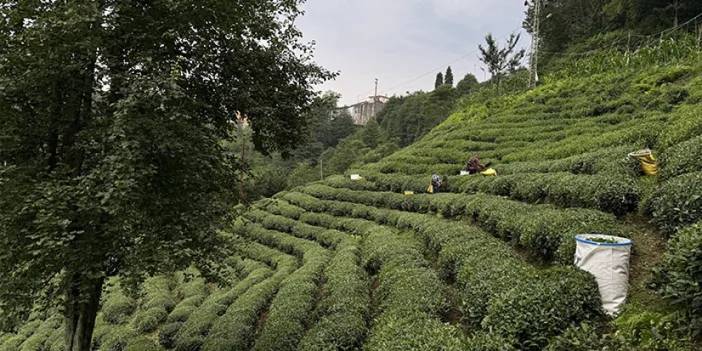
{"x": 483, "y": 265}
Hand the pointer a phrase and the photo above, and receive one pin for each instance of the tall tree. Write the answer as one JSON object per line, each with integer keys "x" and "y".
{"x": 111, "y": 156}
{"x": 448, "y": 77}
{"x": 500, "y": 61}
{"x": 439, "y": 80}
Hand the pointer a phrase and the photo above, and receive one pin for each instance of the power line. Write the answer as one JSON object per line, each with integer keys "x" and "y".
{"x": 440, "y": 68}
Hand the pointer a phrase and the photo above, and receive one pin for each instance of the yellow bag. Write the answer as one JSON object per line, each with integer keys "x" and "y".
{"x": 648, "y": 162}
{"x": 489, "y": 172}
{"x": 407, "y": 192}
{"x": 430, "y": 189}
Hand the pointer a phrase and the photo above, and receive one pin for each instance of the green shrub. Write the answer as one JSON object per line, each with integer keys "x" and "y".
{"x": 14, "y": 342}
{"x": 655, "y": 331}
{"x": 117, "y": 307}
{"x": 678, "y": 202}
{"x": 143, "y": 343}
{"x": 116, "y": 338}
{"x": 534, "y": 311}
{"x": 678, "y": 279}
{"x": 167, "y": 334}
{"x": 413, "y": 331}
{"x": 685, "y": 124}
{"x": 682, "y": 158}
{"x": 38, "y": 340}
{"x": 290, "y": 309}
{"x": 585, "y": 337}
{"x": 158, "y": 302}
{"x": 542, "y": 229}
{"x": 234, "y": 329}
{"x": 191, "y": 334}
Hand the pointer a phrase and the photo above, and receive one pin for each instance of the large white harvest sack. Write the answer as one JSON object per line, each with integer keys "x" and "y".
{"x": 609, "y": 263}
{"x": 355, "y": 177}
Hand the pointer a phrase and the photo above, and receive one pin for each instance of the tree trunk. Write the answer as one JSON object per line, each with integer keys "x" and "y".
{"x": 82, "y": 303}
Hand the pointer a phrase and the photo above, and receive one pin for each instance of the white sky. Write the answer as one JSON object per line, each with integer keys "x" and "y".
{"x": 397, "y": 41}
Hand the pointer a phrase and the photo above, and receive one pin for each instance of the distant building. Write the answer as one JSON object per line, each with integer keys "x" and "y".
{"x": 363, "y": 111}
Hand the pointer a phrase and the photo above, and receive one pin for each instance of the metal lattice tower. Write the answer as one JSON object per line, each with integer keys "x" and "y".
{"x": 535, "y": 41}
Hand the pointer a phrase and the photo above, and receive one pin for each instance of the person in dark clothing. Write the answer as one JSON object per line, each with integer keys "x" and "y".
{"x": 436, "y": 182}
{"x": 473, "y": 166}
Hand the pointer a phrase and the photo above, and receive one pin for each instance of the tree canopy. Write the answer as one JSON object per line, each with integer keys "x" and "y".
{"x": 500, "y": 61}
{"x": 111, "y": 159}
{"x": 439, "y": 80}
{"x": 448, "y": 77}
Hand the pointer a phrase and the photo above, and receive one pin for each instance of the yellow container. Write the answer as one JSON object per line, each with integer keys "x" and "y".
{"x": 489, "y": 172}
{"x": 647, "y": 161}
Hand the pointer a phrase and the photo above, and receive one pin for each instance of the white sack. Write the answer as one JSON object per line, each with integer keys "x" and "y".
{"x": 355, "y": 177}
{"x": 609, "y": 263}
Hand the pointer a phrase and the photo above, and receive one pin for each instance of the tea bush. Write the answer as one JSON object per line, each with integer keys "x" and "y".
{"x": 117, "y": 307}
{"x": 476, "y": 260}
{"x": 235, "y": 328}
{"x": 533, "y": 318}
{"x": 678, "y": 277}
{"x": 683, "y": 158}
{"x": 542, "y": 229}
{"x": 678, "y": 202}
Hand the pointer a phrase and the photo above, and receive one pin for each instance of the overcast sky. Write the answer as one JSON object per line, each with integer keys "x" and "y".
{"x": 397, "y": 41}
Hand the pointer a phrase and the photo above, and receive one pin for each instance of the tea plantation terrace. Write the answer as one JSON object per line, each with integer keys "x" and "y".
{"x": 485, "y": 264}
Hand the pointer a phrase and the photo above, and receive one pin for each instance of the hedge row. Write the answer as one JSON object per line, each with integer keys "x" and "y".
{"x": 546, "y": 231}
{"x": 117, "y": 307}
{"x": 408, "y": 299}
{"x": 682, "y": 158}
{"x": 41, "y": 338}
{"x": 408, "y": 296}
{"x": 605, "y": 193}
{"x": 492, "y": 281}
{"x": 191, "y": 291}
{"x": 611, "y": 160}
{"x": 325, "y": 238}
{"x": 685, "y": 123}
{"x": 677, "y": 202}
{"x": 14, "y": 342}
{"x": 157, "y": 303}
{"x": 289, "y": 312}
{"x": 235, "y": 329}
{"x": 341, "y": 312}
{"x": 679, "y": 277}
{"x": 193, "y": 331}
{"x": 287, "y": 243}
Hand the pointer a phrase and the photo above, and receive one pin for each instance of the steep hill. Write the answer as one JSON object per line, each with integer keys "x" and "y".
{"x": 483, "y": 265}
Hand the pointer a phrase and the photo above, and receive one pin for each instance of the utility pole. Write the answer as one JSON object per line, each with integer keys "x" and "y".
{"x": 535, "y": 41}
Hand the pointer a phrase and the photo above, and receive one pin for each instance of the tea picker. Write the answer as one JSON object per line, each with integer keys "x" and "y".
{"x": 474, "y": 166}
{"x": 435, "y": 184}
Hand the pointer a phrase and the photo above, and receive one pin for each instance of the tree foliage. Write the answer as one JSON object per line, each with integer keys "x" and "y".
{"x": 439, "y": 80}
{"x": 448, "y": 77}
{"x": 501, "y": 61}
{"x": 113, "y": 113}
{"x": 564, "y": 23}
{"x": 467, "y": 85}
{"x": 408, "y": 118}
